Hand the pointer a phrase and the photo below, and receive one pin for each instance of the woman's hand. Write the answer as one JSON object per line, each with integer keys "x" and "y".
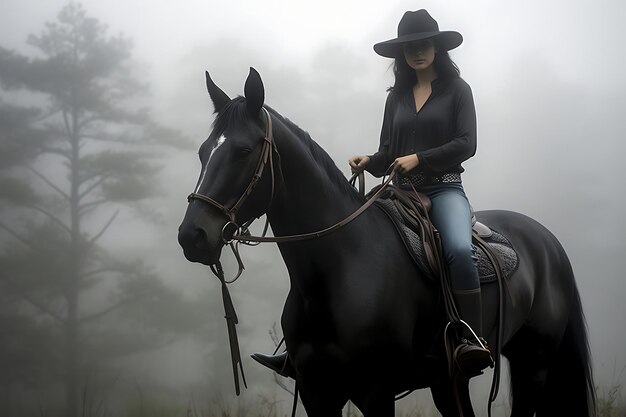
{"x": 407, "y": 163}
{"x": 357, "y": 163}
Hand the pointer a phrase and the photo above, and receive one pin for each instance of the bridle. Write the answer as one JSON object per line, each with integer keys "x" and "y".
{"x": 231, "y": 230}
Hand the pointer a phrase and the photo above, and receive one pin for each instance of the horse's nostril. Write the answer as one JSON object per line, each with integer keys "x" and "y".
{"x": 192, "y": 237}
{"x": 199, "y": 237}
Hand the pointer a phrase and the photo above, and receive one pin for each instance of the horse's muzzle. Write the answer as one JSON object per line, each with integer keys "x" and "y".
{"x": 197, "y": 245}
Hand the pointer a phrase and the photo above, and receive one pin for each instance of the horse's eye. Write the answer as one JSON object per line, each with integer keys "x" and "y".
{"x": 244, "y": 152}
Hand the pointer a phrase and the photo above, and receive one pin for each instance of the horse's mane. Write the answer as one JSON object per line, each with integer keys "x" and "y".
{"x": 319, "y": 155}
{"x": 235, "y": 111}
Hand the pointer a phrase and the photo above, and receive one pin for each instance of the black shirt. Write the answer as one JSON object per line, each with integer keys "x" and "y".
{"x": 442, "y": 133}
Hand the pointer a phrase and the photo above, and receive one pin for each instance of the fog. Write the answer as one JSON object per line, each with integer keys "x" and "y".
{"x": 549, "y": 92}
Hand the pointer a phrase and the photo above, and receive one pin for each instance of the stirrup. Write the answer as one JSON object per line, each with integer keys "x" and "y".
{"x": 481, "y": 342}
{"x": 472, "y": 358}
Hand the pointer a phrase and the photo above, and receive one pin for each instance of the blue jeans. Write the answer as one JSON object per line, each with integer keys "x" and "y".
{"x": 451, "y": 215}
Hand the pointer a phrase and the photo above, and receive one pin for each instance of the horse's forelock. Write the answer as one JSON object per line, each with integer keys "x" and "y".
{"x": 233, "y": 113}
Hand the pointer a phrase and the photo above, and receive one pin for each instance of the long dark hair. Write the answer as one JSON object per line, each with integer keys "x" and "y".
{"x": 405, "y": 77}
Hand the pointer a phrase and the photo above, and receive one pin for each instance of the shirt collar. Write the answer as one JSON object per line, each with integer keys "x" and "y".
{"x": 437, "y": 84}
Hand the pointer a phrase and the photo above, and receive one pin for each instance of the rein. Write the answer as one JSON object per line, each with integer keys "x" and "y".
{"x": 322, "y": 232}
{"x": 233, "y": 234}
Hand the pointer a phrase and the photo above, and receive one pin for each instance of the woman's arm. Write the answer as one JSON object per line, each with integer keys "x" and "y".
{"x": 380, "y": 161}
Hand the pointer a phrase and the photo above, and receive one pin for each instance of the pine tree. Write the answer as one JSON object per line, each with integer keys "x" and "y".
{"x": 75, "y": 152}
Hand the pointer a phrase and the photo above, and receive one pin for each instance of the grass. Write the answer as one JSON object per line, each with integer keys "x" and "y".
{"x": 610, "y": 404}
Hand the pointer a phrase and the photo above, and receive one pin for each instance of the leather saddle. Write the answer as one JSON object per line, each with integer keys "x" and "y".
{"x": 409, "y": 210}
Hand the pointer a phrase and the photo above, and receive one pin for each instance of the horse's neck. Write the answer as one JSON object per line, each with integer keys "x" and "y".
{"x": 306, "y": 199}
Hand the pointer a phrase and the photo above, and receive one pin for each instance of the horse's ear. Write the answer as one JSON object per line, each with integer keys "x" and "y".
{"x": 254, "y": 92}
{"x": 217, "y": 95}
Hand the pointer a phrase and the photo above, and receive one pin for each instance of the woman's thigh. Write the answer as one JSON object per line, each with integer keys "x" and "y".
{"x": 451, "y": 215}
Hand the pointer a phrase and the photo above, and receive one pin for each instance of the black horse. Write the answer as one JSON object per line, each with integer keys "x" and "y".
{"x": 361, "y": 323}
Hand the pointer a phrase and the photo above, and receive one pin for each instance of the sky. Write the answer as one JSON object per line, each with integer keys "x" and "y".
{"x": 547, "y": 82}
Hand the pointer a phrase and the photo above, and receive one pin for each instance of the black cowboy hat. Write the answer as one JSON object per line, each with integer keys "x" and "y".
{"x": 416, "y": 26}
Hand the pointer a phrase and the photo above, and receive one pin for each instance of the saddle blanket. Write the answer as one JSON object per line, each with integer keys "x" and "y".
{"x": 499, "y": 245}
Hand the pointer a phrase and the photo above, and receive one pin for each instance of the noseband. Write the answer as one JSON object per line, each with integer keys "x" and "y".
{"x": 231, "y": 228}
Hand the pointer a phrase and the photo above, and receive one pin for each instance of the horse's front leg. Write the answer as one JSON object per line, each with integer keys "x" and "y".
{"x": 315, "y": 358}
{"x": 449, "y": 403}
{"x": 321, "y": 385}
{"x": 376, "y": 403}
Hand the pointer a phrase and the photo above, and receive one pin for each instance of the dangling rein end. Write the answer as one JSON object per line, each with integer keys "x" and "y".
{"x": 231, "y": 322}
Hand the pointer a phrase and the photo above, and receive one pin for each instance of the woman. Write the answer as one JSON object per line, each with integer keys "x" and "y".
{"x": 429, "y": 129}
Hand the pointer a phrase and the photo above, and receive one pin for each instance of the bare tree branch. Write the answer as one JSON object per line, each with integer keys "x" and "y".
{"x": 44, "y": 116}
{"x": 93, "y": 186}
{"x": 44, "y": 179}
{"x": 51, "y": 217}
{"x": 100, "y": 271}
{"x": 106, "y": 226}
{"x": 56, "y": 151}
{"x": 90, "y": 176}
{"x": 18, "y": 237}
{"x": 107, "y": 310}
{"x": 83, "y": 208}
{"x": 87, "y": 210}
{"x": 88, "y": 120}
{"x": 280, "y": 381}
{"x": 68, "y": 129}
{"x": 36, "y": 303}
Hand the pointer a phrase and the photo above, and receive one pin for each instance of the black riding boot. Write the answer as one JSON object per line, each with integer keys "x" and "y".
{"x": 278, "y": 363}
{"x": 470, "y": 355}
